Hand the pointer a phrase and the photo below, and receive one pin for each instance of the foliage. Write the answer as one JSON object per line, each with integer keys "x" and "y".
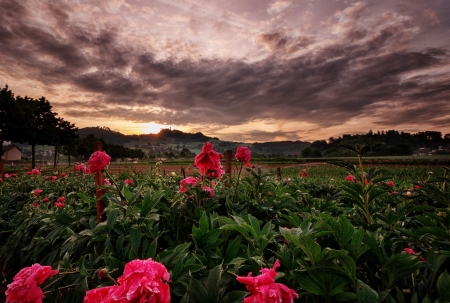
{"x": 337, "y": 241}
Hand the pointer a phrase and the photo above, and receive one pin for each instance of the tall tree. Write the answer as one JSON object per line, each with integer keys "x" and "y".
{"x": 44, "y": 124}
{"x": 66, "y": 133}
{"x": 14, "y": 119}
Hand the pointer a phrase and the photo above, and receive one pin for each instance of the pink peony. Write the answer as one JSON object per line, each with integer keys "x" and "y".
{"x": 35, "y": 204}
{"x": 244, "y": 155}
{"x": 45, "y": 199}
{"x": 81, "y": 168}
{"x": 390, "y": 183}
{"x": 304, "y": 173}
{"x": 98, "y": 161}
{"x": 209, "y": 190}
{"x": 35, "y": 172}
{"x": 263, "y": 288}
{"x": 350, "y": 178}
{"x": 142, "y": 281}
{"x": 208, "y": 161}
{"x": 99, "y": 295}
{"x": 188, "y": 182}
{"x": 63, "y": 175}
{"x": 37, "y": 191}
{"x": 25, "y": 286}
{"x": 60, "y": 202}
{"x": 412, "y": 252}
{"x": 107, "y": 182}
{"x": 127, "y": 181}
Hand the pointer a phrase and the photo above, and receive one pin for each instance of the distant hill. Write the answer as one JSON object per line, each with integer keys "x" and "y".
{"x": 164, "y": 135}
{"x": 106, "y": 133}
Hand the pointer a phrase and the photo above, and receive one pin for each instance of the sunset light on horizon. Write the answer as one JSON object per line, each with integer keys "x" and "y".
{"x": 247, "y": 71}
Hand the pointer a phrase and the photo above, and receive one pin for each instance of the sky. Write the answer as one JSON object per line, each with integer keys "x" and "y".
{"x": 239, "y": 70}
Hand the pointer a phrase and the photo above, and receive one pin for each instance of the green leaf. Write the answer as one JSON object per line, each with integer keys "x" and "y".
{"x": 112, "y": 217}
{"x": 443, "y": 287}
{"x": 213, "y": 283}
{"x": 308, "y": 284}
{"x": 365, "y": 293}
{"x": 151, "y": 252}
{"x": 236, "y": 296}
{"x": 310, "y": 248}
{"x": 135, "y": 238}
{"x": 197, "y": 292}
{"x": 150, "y": 202}
{"x": 203, "y": 223}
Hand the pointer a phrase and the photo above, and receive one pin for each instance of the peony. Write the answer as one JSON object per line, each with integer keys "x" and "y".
{"x": 263, "y": 288}
{"x": 99, "y": 295}
{"x": 60, "y": 202}
{"x": 107, "y": 182}
{"x": 63, "y": 175}
{"x": 244, "y": 155}
{"x": 37, "y": 191}
{"x": 209, "y": 190}
{"x": 412, "y": 252}
{"x": 304, "y": 173}
{"x": 127, "y": 181}
{"x": 98, "y": 161}
{"x": 142, "y": 281}
{"x": 390, "y": 183}
{"x": 189, "y": 182}
{"x": 208, "y": 161}
{"x": 25, "y": 286}
{"x": 81, "y": 168}
{"x": 350, "y": 178}
{"x": 45, "y": 199}
{"x": 35, "y": 172}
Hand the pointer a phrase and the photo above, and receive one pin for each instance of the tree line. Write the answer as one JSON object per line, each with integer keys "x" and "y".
{"x": 395, "y": 143}
{"x": 32, "y": 121}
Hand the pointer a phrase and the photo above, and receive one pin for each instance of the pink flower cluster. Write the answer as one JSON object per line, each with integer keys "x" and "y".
{"x": 25, "y": 286}
{"x": 190, "y": 182}
{"x": 263, "y": 288}
{"x": 60, "y": 202}
{"x": 34, "y": 171}
{"x": 142, "y": 281}
{"x": 208, "y": 161}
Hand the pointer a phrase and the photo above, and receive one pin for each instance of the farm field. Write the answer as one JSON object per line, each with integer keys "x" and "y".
{"x": 328, "y": 232}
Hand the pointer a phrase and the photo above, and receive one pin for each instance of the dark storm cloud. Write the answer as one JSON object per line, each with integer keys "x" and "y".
{"x": 302, "y": 79}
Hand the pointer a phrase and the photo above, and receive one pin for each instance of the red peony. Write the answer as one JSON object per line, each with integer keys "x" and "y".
{"x": 127, "y": 181}
{"x": 350, "y": 178}
{"x": 209, "y": 190}
{"x": 81, "y": 168}
{"x": 63, "y": 175}
{"x": 142, "y": 281}
{"x": 25, "y": 286}
{"x": 304, "y": 173}
{"x": 244, "y": 155}
{"x": 263, "y": 288}
{"x": 412, "y": 252}
{"x": 189, "y": 182}
{"x": 37, "y": 191}
{"x": 208, "y": 161}
{"x": 99, "y": 295}
{"x": 98, "y": 161}
{"x": 390, "y": 184}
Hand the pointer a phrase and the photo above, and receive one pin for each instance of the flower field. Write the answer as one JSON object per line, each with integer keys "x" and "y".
{"x": 329, "y": 233}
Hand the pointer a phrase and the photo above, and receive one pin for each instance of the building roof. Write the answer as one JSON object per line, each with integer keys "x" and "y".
{"x": 6, "y": 148}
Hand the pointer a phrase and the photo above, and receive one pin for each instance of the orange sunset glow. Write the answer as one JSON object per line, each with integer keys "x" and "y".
{"x": 247, "y": 71}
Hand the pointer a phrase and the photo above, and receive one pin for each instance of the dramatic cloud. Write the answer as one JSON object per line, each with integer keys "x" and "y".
{"x": 273, "y": 70}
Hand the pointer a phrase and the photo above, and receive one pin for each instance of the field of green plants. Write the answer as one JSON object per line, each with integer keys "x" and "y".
{"x": 340, "y": 232}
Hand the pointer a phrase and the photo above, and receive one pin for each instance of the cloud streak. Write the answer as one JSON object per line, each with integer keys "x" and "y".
{"x": 207, "y": 68}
